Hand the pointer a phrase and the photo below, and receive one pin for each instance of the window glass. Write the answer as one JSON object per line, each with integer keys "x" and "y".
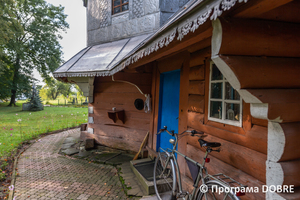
{"x": 216, "y": 90}
{"x": 216, "y": 109}
{"x": 231, "y": 93}
{"x": 117, "y": 2}
{"x": 120, "y": 6}
{"x": 125, "y": 7}
{"x": 225, "y": 103}
{"x": 216, "y": 74}
{"x": 117, "y": 9}
{"x": 232, "y": 111}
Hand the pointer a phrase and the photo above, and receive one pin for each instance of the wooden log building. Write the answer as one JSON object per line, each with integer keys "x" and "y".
{"x": 229, "y": 68}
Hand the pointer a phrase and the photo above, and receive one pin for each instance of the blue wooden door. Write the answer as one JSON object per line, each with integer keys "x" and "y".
{"x": 168, "y": 106}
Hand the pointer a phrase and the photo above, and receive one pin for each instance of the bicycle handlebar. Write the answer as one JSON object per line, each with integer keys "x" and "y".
{"x": 193, "y": 132}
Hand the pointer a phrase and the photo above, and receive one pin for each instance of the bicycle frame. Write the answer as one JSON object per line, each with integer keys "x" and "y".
{"x": 171, "y": 155}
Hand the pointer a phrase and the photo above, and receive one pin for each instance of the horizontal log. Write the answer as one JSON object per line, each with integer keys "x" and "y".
{"x": 292, "y": 138}
{"x": 197, "y": 87}
{"x": 255, "y": 139}
{"x": 119, "y": 87}
{"x": 198, "y": 57}
{"x": 138, "y": 79}
{"x": 286, "y": 13}
{"x": 122, "y": 101}
{"x": 259, "y": 122}
{"x": 137, "y": 114}
{"x": 197, "y": 73}
{"x": 194, "y": 119}
{"x": 256, "y": 38}
{"x": 198, "y": 117}
{"x": 227, "y": 127}
{"x": 118, "y": 143}
{"x": 283, "y": 141}
{"x": 286, "y": 112}
{"x": 282, "y": 104}
{"x": 199, "y": 45}
{"x": 264, "y": 72}
{"x": 134, "y": 120}
{"x": 283, "y": 173}
{"x": 115, "y": 134}
{"x": 276, "y": 95}
{"x": 216, "y": 166}
{"x": 196, "y": 103}
{"x": 245, "y": 159}
{"x": 258, "y": 7}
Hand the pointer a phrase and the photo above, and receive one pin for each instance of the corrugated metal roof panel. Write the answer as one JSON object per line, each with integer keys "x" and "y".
{"x": 132, "y": 43}
{"x": 98, "y": 57}
{"x": 66, "y": 66}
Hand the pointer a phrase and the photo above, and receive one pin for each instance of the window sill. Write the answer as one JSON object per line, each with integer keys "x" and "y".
{"x": 227, "y": 122}
{"x": 226, "y": 127}
{"x": 120, "y": 14}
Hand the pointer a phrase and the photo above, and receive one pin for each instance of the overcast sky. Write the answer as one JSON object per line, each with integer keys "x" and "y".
{"x": 75, "y": 38}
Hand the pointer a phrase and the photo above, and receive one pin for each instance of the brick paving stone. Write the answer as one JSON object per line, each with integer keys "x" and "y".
{"x": 44, "y": 174}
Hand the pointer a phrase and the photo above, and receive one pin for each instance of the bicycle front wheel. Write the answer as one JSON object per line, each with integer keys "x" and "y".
{"x": 164, "y": 177}
{"x": 215, "y": 191}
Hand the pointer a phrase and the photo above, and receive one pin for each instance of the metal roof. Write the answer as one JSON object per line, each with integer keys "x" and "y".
{"x": 98, "y": 59}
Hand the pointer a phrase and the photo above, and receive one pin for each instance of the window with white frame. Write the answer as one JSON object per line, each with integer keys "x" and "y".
{"x": 225, "y": 103}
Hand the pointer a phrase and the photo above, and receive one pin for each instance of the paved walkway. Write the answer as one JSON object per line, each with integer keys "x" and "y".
{"x": 45, "y": 174}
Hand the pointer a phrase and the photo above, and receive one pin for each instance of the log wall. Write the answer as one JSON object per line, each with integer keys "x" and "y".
{"x": 109, "y": 94}
{"x": 242, "y": 147}
{"x": 263, "y": 63}
{"x": 264, "y": 57}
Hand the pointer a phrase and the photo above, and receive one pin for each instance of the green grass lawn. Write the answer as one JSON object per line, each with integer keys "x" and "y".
{"x": 59, "y": 101}
{"x": 32, "y": 124}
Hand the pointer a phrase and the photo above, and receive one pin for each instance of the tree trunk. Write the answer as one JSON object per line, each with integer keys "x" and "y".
{"x": 14, "y": 84}
{"x": 13, "y": 98}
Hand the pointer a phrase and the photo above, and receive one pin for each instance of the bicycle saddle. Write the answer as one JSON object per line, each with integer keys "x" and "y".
{"x": 203, "y": 143}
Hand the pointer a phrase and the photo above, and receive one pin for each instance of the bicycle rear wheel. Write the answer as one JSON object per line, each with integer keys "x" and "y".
{"x": 215, "y": 193}
{"x": 164, "y": 178}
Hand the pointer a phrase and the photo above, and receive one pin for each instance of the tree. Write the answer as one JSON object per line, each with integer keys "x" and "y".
{"x": 55, "y": 88}
{"x": 8, "y": 25}
{"x": 35, "y": 101}
{"x": 35, "y": 45}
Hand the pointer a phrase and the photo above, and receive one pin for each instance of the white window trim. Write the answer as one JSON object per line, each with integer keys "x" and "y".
{"x": 223, "y": 100}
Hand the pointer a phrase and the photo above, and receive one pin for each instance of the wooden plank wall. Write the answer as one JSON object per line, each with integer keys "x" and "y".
{"x": 244, "y": 150}
{"x": 109, "y": 94}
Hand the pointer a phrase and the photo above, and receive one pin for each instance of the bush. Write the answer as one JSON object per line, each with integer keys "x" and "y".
{"x": 35, "y": 101}
{"x": 48, "y": 103}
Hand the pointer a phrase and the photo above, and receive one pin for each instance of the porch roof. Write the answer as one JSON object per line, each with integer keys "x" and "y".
{"x": 98, "y": 59}
{"x": 104, "y": 59}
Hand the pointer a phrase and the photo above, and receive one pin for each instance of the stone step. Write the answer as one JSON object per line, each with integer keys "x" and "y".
{"x": 130, "y": 180}
{"x": 147, "y": 185}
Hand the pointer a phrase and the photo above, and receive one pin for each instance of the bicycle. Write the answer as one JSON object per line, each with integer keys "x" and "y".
{"x": 166, "y": 172}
